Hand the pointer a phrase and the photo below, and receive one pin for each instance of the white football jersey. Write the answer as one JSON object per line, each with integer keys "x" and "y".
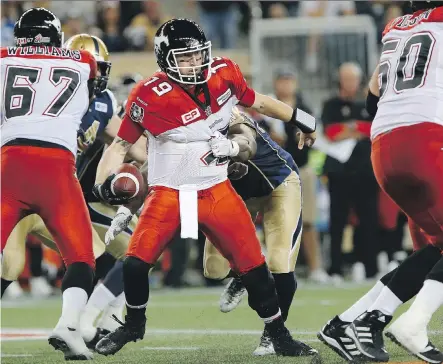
{"x": 45, "y": 93}
{"x": 411, "y": 72}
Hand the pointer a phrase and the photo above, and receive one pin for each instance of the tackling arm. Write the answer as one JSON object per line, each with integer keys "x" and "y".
{"x": 137, "y": 151}
{"x": 112, "y": 158}
{"x": 245, "y": 136}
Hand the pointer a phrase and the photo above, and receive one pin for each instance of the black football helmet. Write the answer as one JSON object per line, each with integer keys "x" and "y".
{"x": 38, "y": 26}
{"x": 179, "y": 37}
{"x": 423, "y": 5}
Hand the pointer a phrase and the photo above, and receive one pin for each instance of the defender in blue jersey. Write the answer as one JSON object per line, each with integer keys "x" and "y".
{"x": 271, "y": 186}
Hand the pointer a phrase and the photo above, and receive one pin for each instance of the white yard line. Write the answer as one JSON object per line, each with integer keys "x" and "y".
{"x": 42, "y": 334}
{"x": 171, "y": 348}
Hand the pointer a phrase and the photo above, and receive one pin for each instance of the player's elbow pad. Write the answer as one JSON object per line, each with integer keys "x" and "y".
{"x": 372, "y": 103}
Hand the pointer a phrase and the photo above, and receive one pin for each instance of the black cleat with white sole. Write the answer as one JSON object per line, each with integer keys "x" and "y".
{"x": 333, "y": 335}
{"x": 127, "y": 332}
{"x": 367, "y": 333}
{"x": 430, "y": 355}
{"x": 100, "y": 334}
{"x": 284, "y": 344}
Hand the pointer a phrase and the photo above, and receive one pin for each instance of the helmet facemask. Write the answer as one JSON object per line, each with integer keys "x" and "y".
{"x": 102, "y": 79}
{"x": 193, "y": 74}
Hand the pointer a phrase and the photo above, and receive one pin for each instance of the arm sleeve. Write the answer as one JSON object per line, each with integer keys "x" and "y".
{"x": 131, "y": 127}
{"x": 129, "y": 130}
{"x": 243, "y": 92}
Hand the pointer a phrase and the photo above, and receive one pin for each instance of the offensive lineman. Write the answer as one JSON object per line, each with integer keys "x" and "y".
{"x": 413, "y": 178}
{"x": 185, "y": 110}
{"x": 47, "y": 90}
{"x": 99, "y": 125}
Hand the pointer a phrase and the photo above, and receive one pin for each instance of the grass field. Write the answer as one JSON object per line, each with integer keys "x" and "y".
{"x": 187, "y": 327}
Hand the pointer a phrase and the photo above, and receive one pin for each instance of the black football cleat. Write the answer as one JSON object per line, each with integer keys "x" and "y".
{"x": 100, "y": 334}
{"x": 127, "y": 332}
{"x": 333, "y": 335}
{"x": 367, "y": 333}
{"x": 284, "y": 344}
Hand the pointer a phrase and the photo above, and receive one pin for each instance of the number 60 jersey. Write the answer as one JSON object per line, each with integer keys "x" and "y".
{"x": 44, "y": 93}
{"x": 411, "y": 72}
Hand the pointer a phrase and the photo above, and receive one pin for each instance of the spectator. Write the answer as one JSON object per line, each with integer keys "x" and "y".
{"x": 142, "y": 29}
{"x": 73, "y": 24}
{"x": 10, "y": 13}
{"x": 320, "y": 8}
{"x": 351, "y": 184}
{"x": 268, "y": 8}
{"x": 219, "y": 20}
{"x": 87, "y": 10}
{"x": 285, "y": 88}
{"x": 109, "y": 23}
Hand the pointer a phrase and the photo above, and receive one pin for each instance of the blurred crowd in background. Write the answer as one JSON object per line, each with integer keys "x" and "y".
{"x": 351, "y": 229}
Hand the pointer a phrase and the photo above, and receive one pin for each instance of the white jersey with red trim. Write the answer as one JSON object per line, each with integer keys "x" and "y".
{"x": 411, "y": 72}
{"x": 45, "y": 93}
{"x": 179, "y": 127}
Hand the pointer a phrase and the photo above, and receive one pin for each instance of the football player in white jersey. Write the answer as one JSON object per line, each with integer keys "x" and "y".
{"x": 47, "y": 89}
{"x": 185, "y": 110}
{"x": 406, "y": 98}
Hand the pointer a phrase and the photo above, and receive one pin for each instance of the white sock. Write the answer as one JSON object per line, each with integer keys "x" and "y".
{"x": 116, "y": 308}
{"x": 386, "y": 302}
{"x": 99, "y": 300}
{"x": 74, "y": 301}
{"x": 428, "y": 300}
{"x": 362, "y": 304}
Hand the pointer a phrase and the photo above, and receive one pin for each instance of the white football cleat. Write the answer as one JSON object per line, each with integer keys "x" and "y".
{"x": 319, "y": 276}
{"x": 232, "y": 295}
{"x": 265, "y": 347}
{"x": 40, "y": 287}
{"x": 414, "y": 340}
{"x": 14, "y": 291}
{"x": 70, "y": 342}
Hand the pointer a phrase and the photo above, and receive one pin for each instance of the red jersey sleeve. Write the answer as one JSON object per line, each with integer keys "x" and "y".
{"x": 131, "y": 128}
{"x": 244, "y": 94}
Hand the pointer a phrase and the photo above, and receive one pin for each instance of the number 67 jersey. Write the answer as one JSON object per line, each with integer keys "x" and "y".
{"x": 45, "y": 93}
{"x": 411, "y": 72}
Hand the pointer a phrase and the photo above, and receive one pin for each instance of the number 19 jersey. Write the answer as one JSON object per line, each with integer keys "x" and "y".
{"x": 411, "y": 72}
{"x": 45, "y": 93}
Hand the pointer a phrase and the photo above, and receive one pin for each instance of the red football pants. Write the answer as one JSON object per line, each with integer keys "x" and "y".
{"x": 42, "y": 181}
{"x": 408, "y": 165}
{"x": 223, "y": 218}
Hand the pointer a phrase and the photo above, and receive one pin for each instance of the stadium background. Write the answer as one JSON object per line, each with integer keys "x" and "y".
{"x": 304, "y": 40}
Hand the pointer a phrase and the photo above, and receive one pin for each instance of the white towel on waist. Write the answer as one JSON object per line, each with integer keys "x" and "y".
{"x": 188, "y": 200}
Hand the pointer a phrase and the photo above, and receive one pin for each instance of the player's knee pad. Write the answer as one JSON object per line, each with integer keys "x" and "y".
{"x": 262, "y": 296}
{"x": 80, "y": 275}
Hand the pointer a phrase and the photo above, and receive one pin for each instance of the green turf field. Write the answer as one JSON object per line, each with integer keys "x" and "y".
{"x": 187, "y": 327}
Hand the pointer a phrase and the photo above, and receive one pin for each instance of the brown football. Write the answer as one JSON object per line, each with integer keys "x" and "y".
{"x": 128, "y": 181}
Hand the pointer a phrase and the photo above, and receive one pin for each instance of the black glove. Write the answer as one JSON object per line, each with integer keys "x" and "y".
{"x": 103, "y": 192}
{"x": 237, "y": 170}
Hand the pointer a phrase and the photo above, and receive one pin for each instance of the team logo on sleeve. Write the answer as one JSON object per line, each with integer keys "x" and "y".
{"x": 136, "y": 113}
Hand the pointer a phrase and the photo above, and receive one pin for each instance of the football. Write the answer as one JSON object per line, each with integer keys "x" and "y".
{"x": 128, "y": 181}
